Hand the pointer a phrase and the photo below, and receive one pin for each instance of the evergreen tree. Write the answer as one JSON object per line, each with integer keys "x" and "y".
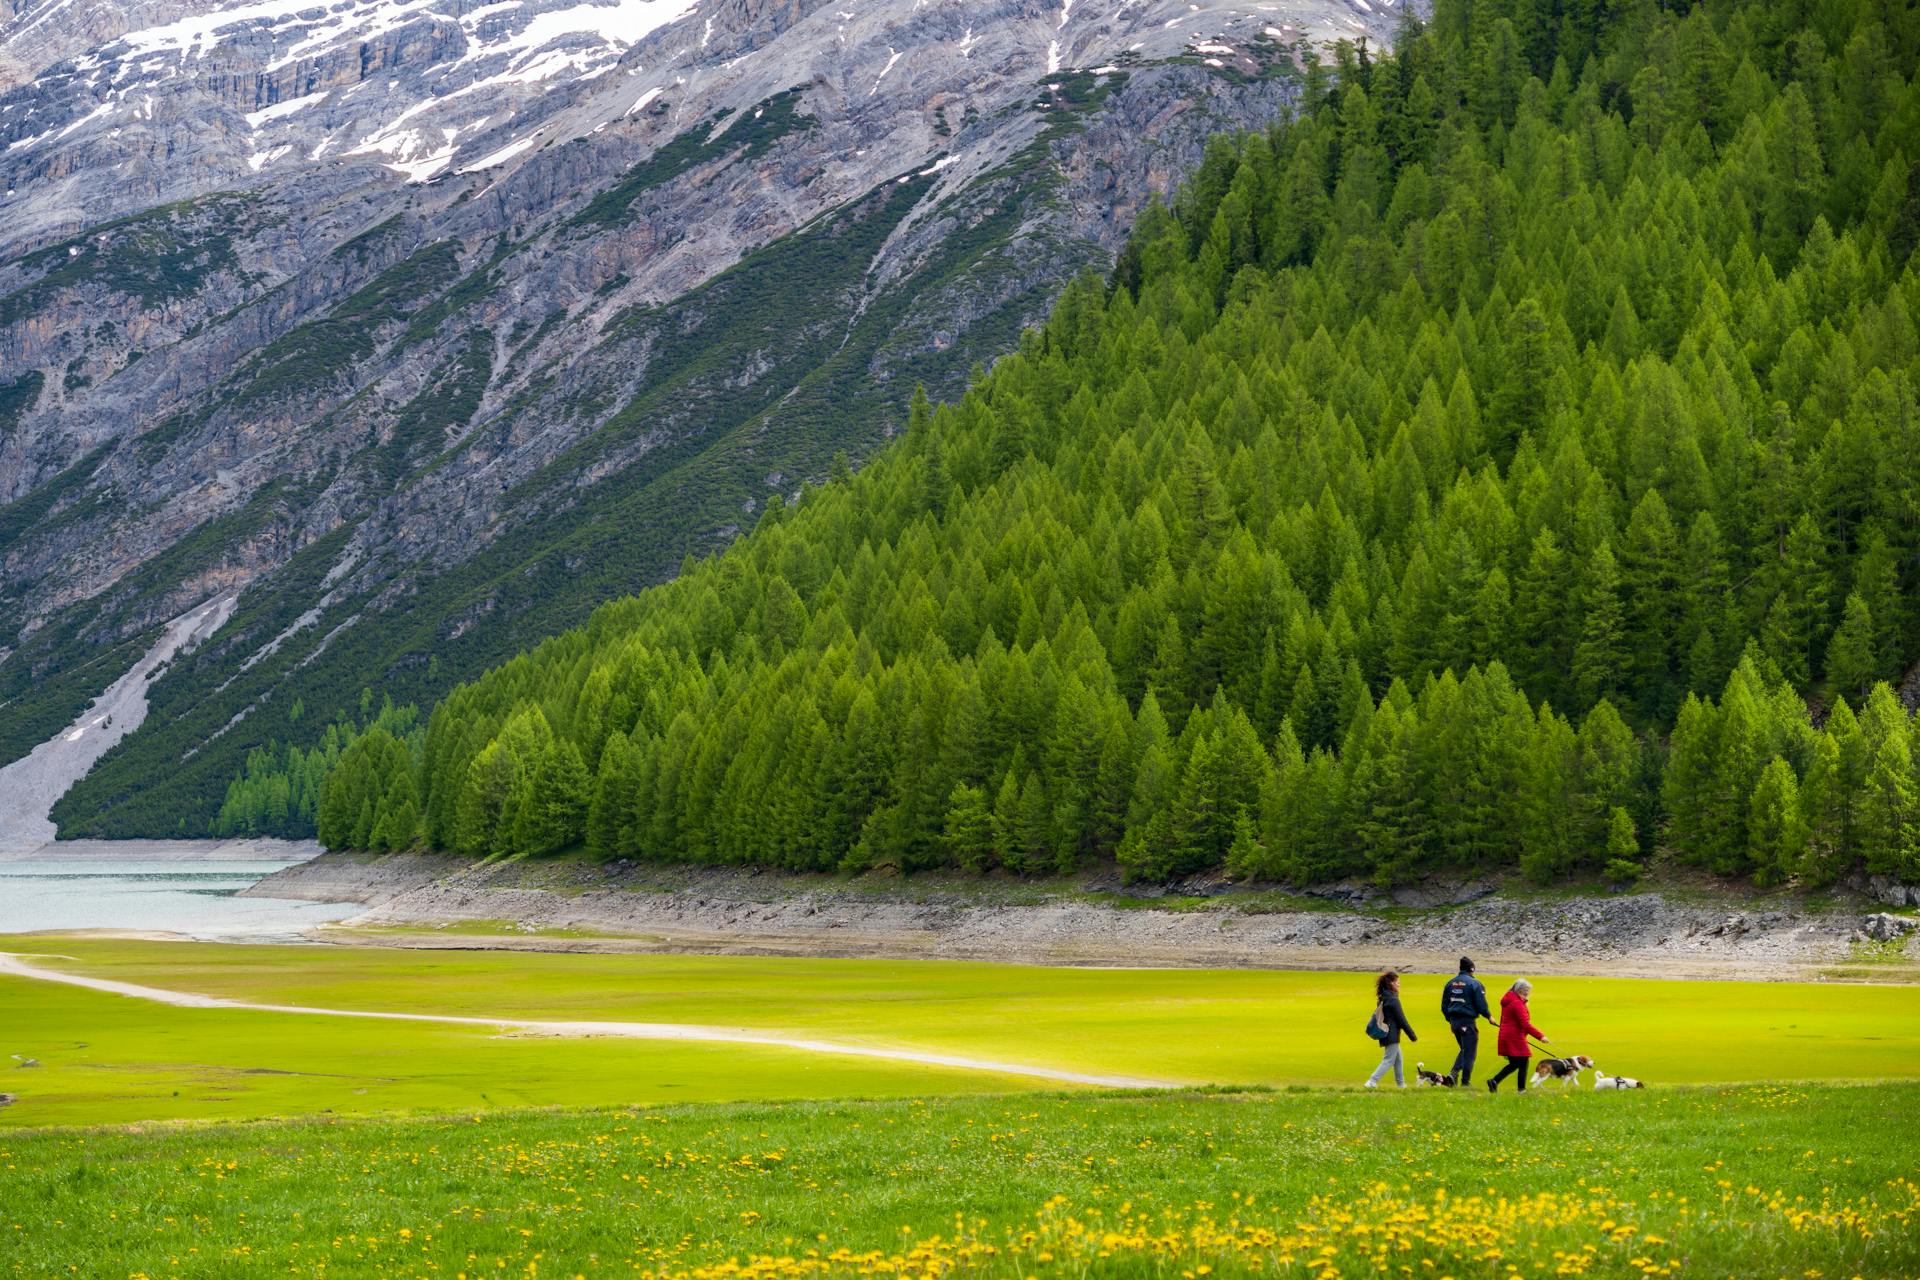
{"x": 1623, "y": 848}
{"x": 1603, "y": 780}
{"x": 1034, "y": 829}
{"x": 1887, "y": 813}
{"x": 1689, "y": 785}
{"x": 1776, "y": 827}
{"x": 1851, "y": 664}
{"x": 1547, "y": 618}
{"x": 969, "y": 829}
{"x": 613, "y": 810}
{"x": 1386, "y": 803}
{"x": 1600, "y": 657}
{"x": 556, "y": 814}
{"x": 1145, "y": 852}
{"x": 483, "y": 802}
{"x": 1650, "y": 588}
{"x": 397, "y": 818}
{"x": 1009, "y": 849}
{"x": 1195, "y": 815}
{"x": 1823, "y": 804}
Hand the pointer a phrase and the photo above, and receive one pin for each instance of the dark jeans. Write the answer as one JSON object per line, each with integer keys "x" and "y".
{"x": 1468, "y": 1034}
{"x": 1517, "y": 1068}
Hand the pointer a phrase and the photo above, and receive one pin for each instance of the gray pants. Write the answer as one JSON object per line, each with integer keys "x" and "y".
{"x": 1389, "y": 1057}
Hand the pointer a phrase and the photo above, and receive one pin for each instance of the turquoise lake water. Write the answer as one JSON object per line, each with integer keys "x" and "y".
{"x": 189, "y": 897}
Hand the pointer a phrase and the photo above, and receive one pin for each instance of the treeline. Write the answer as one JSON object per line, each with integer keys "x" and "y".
{"x": 278, "y": 792}
{"x": 1754, "y": 788}
{"x": 1415, "y": 473}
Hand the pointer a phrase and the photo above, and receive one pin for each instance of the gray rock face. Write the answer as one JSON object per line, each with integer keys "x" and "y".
{"x": 1883, "y": 927}
{"x": 110, "y": 108}
{"x": 362, "y": 290}
{"x": 1893, "y": 892}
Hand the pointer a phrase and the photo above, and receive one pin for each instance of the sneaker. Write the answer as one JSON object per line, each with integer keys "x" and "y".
{"x": 1492, "y": 1087}
{"x": 1369, "y": 1085}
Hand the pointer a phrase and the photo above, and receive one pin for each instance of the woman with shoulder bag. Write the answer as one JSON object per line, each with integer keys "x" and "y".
{"x": 1386, "y": 1026}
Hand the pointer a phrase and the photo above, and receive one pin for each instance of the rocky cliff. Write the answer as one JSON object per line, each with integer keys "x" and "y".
{"x": 427, "y": 325}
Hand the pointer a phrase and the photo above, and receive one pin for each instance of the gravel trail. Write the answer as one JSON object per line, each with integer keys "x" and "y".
{"x": 13, "y": 964}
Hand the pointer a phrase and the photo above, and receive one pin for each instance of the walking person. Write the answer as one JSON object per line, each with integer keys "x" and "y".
{"x": 1515, "y": 1026}
{"x": 1463, "y": 1002}
{"x": 1391, "y": 1018}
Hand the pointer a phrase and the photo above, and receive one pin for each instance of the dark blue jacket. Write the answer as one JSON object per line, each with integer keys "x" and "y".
{"x": 1463, "y": 999}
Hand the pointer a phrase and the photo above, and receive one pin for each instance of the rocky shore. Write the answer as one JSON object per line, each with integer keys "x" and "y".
{"x": 421, "y": 900}
{"x": 237, "y": 849}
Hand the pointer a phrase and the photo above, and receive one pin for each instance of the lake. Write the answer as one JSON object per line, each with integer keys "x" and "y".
{"x": 178, "y": 887}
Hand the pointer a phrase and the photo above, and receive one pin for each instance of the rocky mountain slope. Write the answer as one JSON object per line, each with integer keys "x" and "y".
{"x": 425, "y": 326}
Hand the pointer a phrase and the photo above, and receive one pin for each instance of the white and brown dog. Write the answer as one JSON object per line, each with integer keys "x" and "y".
{"x": 1562, "y": 1070}
{"x": 1601, "y": 1080}
{"x": 1431, "y": 1079}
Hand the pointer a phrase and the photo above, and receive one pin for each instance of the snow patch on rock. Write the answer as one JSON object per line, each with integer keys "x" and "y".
{"x": 277, "y": 111}
{"x": 30, "y": 785}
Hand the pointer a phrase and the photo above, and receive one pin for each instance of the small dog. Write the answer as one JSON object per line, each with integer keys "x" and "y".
{"x": 1432, "y": 1079}
{"x": 1562, "y": 1070}
{"x": 1601, "y": 1080}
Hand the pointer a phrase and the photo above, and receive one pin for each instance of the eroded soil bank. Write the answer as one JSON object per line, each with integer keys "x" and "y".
{"x": 419, "y": 900}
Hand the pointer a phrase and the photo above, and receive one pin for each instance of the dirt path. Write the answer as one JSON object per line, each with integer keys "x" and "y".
{"x": 12, "y": 964}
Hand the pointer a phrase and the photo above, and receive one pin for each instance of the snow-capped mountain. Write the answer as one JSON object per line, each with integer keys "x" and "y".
{"x": 429, "y": 324}
{"x": 109, "y": 107}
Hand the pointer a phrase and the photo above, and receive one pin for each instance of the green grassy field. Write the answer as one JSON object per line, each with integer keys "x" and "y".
{"x": 1805, "y": 1181}
{"x": 109, "y": 1058}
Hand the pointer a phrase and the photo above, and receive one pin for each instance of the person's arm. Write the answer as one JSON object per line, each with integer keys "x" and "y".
{"x": 1480, "y": 999}
{"x": 1400, "y": 1016}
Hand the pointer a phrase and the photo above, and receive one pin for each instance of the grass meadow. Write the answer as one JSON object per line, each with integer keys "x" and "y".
{"x": 1745, "y": 1181}
{"x": 157, "y": 1141}
{"x": 108, "y": 1058}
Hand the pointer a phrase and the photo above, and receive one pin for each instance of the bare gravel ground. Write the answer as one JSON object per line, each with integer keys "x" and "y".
{"x": 1676, "y": 932}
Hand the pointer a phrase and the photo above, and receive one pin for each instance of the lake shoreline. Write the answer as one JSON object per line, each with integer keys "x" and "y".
{"x": 158, "y": 888}
{"x": 236, "y": 849}
{"x": 429, "y": 901}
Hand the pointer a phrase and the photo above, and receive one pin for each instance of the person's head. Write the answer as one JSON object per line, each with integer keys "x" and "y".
{"x": 1386, "y": 984}
{"x": 1466, "y": 964}
{"x": 1522, "y": 988}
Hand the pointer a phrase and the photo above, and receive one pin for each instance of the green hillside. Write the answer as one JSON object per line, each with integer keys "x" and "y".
{"x": 1508, "y": 462}
{"x": 566, "y": 545}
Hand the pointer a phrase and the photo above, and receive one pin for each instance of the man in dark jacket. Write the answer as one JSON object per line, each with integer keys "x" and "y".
{"x": 1462, "y": 1002}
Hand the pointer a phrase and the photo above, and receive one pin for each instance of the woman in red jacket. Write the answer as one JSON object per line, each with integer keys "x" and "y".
{"x": 1515, "y": 1027}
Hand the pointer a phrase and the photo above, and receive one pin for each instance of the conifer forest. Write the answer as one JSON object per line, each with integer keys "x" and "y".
{"x": 1510, "y": 461}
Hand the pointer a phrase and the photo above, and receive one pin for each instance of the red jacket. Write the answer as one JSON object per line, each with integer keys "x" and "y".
{"x": 1515, "y": 1027}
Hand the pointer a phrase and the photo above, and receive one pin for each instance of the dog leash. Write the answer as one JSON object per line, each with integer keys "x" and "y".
{"x": 1555, "y": 1054}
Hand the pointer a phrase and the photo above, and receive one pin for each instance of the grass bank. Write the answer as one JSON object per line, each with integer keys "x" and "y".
{"x": 1747, "y": 1181}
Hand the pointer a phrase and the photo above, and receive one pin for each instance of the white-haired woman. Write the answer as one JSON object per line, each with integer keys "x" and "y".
{"x": 1515, "y": 1027}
